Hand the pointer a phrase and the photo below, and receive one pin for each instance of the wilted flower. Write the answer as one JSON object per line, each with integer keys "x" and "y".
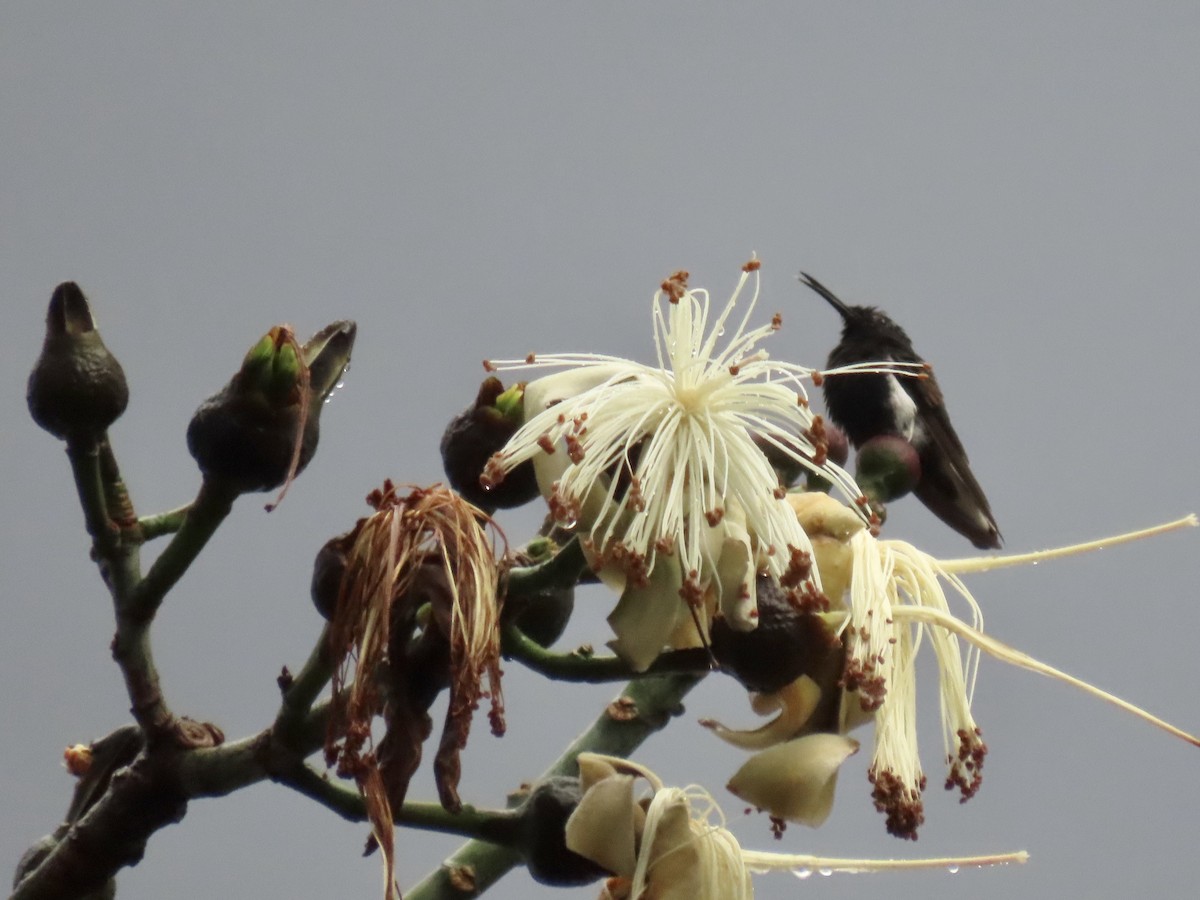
{"x": 661, "y": 467}
{"x": 896, "y": 603}
{"x": 673, "y": 844}
{"x": 416, "y": 612}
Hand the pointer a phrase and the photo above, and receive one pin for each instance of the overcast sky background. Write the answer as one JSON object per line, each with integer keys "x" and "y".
{"x": 1017, "y": 183}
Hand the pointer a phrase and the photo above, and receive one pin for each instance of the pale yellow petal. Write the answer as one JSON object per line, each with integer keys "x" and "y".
{"x": 646, "y": 617}
{"x": 819, "y": 513}
{"x": 795, "y": 703}
{"x": 795, "y": 780}
{"x": 602, "y": 827}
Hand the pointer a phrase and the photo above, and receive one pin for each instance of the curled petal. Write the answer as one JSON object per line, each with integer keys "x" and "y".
{"x": 795, "y": 703}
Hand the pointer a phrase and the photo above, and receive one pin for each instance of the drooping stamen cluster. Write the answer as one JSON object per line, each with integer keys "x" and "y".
{"x": 890, "y": 577}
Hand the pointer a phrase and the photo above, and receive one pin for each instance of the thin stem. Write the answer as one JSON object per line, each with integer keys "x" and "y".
{"x": 644, "y": 707}
{"x": 85, "y": 466}
{"x": 212, "y": 504}
{"x": 577, "y": 667}
{"x": 562, "y": 570}
{"x": 163, "y": 523}
{"x": 303, "y": 690}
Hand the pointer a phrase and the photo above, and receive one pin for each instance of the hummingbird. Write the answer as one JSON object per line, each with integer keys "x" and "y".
{"x": 867, "y": 405}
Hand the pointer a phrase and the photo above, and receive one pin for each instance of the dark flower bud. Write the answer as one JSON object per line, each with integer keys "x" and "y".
{"x": 542, "y": 834}
{"x": 887, "y": 468}
{"x": 475, "y": 434}
{"x": 828, "y": 443}
{"x": 77, "y": 388}
{"x": 328, "y": 569}
{"x": 262, "y": 428}
{"x": 837, "y": 445}
{"x": 786, "y": 644}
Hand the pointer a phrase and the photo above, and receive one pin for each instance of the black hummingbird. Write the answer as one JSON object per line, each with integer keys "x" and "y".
{"x": 868, "y": 405}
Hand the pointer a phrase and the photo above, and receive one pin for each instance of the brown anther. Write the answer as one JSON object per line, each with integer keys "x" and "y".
{"x": 779, "y": 492}
{"x": 574, "y": 449}
{"x": 714, "y": 516}
{"x": 776, "y": 321}
{"x": 488, "y": 367}
{"x": 691, "y": 592}
{"x": 818, "y": 379}
{"x": 493, "y": 472}
{"x": 675, "y": 286}
{"x": 734, "y": 370}
{"x": 752, "y": 266}
{"x": 546, "y": 444}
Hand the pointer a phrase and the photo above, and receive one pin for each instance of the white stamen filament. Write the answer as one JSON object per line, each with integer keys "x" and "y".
{"x": 759, "y": 861}
{"x": 987, "y": 563}
{"x": 1015, "y": 657}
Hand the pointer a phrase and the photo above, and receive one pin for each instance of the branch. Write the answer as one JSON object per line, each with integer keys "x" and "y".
{"x": 562, "y": 570}
{"x": 162, "y": 523}
{"x": 643, "y": 708}
{"x": 581, "y": 667}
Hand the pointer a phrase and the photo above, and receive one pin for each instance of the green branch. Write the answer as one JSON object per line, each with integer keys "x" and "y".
{"x": 646, "y": 706}
{"x": 562, "y": 570}
{"x": 212, "y": 504}
{"x": 581, "y": 667}
{"x": 162, "y": 523}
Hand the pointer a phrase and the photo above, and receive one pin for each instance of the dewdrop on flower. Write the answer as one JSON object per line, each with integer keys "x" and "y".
{"x": 658, "y": 469}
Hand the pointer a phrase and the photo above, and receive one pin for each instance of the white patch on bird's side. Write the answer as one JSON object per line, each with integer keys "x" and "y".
{"x": 907, "y": 423}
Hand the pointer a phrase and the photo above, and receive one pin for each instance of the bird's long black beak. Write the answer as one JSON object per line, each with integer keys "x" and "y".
{"x": 808, "y": 281}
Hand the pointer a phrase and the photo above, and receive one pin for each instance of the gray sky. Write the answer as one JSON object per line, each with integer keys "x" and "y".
{"x": 1017, "y": 183}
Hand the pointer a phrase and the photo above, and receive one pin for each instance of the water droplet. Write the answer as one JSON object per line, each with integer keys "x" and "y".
{"x": 568, "y": 523}
{"x": 1034, "y": 563}
{"x": 802, "y": 874}
{"x": 721, "y": 331}
{"x": 824, "y": 871}
{"x": 953, "y": 870}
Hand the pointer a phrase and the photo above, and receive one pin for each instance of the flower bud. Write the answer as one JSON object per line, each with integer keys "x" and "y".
{"x": 262, "y": 428}
{"x": 887, "y": 467}
{"x": 786, "y": 644}
{"x": 77, "y": 387}
{"x": 480, "y": 431}
{"x": 328, "y": 569}
{"x": 543, "y": 818}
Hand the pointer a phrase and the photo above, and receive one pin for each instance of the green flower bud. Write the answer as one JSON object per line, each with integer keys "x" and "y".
{"x": 480, "y": 431}
{"x": 262, "y": 428}
{"x": 77, "y": 387}
{"x": 887, "y": 468}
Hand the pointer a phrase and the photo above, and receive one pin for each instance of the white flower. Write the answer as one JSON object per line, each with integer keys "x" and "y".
{"x": 659, "y": 468}
{"x": 673, "y": 845}
{"x": 896, "y": 603}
